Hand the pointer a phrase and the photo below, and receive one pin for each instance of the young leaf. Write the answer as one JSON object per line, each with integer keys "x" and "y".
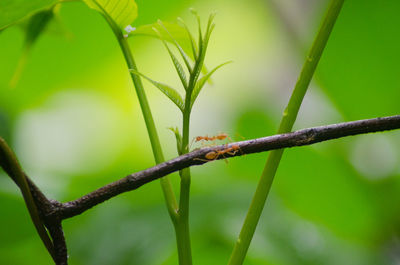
{"x": 194, "y": 12}
{"x": 181, "y": 51}
{"x": 177, "y": 65}
{"x": 210, "y": 28}
{"x": 202, "y": 81}
{"x": 194, "y": 48}
{"x": 192, "y": 41}
{"x": 203, "y": 46}
{"x": 180, "y": 34}
{"x": 121, "y": 12}
{"x": 167, "y": 90}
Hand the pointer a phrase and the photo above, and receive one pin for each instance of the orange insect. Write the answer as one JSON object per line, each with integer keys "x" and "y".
{"x": 213, "y": 155}
{"x": 221, "y": 136}
{"x": 230, "y": 150}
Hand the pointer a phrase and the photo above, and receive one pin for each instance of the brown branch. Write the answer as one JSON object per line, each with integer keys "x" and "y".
{"x": 60, "y": 246}
{"x": 53, "y": 212}
{"x": 42, "y": 206}
{"x": 197, "y": 157}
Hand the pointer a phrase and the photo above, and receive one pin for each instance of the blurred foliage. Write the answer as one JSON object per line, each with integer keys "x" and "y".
{"x": 11, "y": 11}
{"x": 367, "y": 63}
{"x": 75, "y": 124}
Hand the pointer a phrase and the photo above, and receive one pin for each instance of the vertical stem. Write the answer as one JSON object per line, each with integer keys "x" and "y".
{"x": 179, "y": 216}
{"x": 182, "y": 226}
{"x": 166, "y": 186}
{"x": 288, "y": 119}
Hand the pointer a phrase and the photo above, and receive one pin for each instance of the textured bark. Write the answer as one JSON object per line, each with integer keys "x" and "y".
{"x": 53, "y": 212}
{"x": 198, "y": 157}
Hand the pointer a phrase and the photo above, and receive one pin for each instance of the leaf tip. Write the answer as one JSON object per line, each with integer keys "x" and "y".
{"x": 193, "y": 11}
{"x": 212, "y": 16}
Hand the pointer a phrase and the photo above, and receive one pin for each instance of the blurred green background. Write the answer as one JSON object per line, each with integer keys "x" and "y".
{"x": 75, "y": 123}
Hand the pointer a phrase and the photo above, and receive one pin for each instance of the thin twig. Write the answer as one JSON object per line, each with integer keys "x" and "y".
{"x": 299, "y": 138}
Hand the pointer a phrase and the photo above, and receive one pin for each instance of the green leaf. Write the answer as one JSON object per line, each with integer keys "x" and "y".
{"x": 12, "y": 11}
{"x": 210, "y": 28}
{"x": 170, "y": 92}
{"x": 194, "y": 12}
{"x": 192, "y": 41}
{"x": 121, "y": 12}
{"x": 181, "y": 51}
{"x": 179, "y": 33}
{"x": 202, "y": 81}
{"x": 194, "y": 47}
{"x": 176, "y": 30}
{"x": 203, "y": 43}
{"x": 177, "y": 65}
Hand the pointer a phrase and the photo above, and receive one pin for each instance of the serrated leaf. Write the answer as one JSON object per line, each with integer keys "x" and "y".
{"x": 192, "y": 41}
{"x": 194, "y": 12}
{"x": 203, "y": 44}
{"x": 170, "y": 92}
{"x": 181, "y": 51}
{"x": 180, "y": 35}
{"x": 210, "y": 28}
{"x": 201, "y": 82}
{"x": 12, "y": 11}
{"x": 121, "y": 12}
{"x": 178, "y": 66}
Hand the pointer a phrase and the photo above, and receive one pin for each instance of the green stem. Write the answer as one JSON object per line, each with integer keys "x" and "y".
{"x": 179, "y": 216}
{"x": 288, "y": 119}
{"x": 166, "y": 186}
{"x": 182, "y": 226}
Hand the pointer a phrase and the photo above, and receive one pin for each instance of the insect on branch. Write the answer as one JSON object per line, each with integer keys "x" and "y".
{"x": 53, "y": 212}
{"x": 298, "y": 138}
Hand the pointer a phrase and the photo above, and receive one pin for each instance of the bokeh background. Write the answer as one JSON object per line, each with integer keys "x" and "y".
{"x": 75, "y": 124}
